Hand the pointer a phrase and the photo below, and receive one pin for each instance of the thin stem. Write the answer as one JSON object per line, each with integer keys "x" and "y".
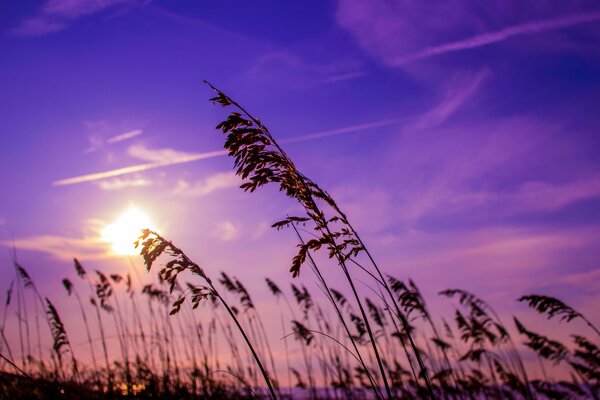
{"x": 398, "y": 313}
{"x": 340, "y": 316}
{"x": 256, "y": 358}
{"x": 12, "y": 364}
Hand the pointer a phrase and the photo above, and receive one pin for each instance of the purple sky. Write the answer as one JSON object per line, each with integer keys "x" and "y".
{"x": 461, "y": 137}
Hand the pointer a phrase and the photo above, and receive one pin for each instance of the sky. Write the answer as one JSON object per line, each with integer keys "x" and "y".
{"x": 460, "y": 137}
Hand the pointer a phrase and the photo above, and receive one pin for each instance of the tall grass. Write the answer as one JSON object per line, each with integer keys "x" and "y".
{"x": 471, "y": 355}
{"x": 373, "y": 338}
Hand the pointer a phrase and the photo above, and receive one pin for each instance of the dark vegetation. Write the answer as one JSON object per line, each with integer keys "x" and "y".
{"x": 343, "y": 344}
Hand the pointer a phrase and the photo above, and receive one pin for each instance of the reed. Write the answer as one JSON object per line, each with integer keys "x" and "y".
{"x": 163, "y": 338}
{"x": 153, "y": 246}
{"x": 473, "y": 356}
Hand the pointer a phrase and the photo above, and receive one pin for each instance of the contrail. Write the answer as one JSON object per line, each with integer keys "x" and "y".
{"x": 428, "y": 119}
{"x": 125, "y": 136}
{"x": 348, "y": 129}
{"x": 218, "y": 153}
{"x": 137, "y": 168}
{"x": 498, "y": 36}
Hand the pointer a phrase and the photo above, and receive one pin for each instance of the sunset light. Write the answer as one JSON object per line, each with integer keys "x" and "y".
{"x": 331, "y": 199}
{"x": 125, "y": 230}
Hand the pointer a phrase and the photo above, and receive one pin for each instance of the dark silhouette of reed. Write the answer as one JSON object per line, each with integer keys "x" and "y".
{"x": 163, "y": 337}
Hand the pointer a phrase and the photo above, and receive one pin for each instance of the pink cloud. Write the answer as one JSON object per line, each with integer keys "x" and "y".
{"x": 460, "y": 90}
{"x": 71, "y": 9}
{"x": 505, "y": 259}
{"x": 212, "y": 183}
{"x": 400, "y": 32}
{"x": 487, "y": 38}
{"x": 452, "y": 173}
{"x": 542, "y": 196}
{"x": 62, "y": 247}
{"x": 55, "y": 15}
{"x": 528, "y": 197}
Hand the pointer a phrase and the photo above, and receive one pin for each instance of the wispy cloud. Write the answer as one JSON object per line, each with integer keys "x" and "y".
{"x": 459, "y": 92}
{"x": 348, "y": 129}
{"x": 77, "y": 8}
{"x": 589, "y": 280}
{"x": 343, "y": 77}
{"x": 532, "y": 196}
{"x": 498, "y": 242}
{"x": 220, "y": 180}
{"x": 36, "y": 26}
{"x": 491, "y": 250}
{"x": 226, "y": 231}
{"x": 125, "y": 136}
{"x": 165, "y": 157}
{"x": 498, "y": 261}
{"x": 452, "y": 197}
{"x": 398, "y": 33}
{"x": 299, "y": 69}
{"x": 488, "y": 38}
{"x": 55, "y": 15}
{"x": 451, "y": 175}
{"x": 138, "y": 168}
{"x": 118, "y": 183}
{"x": 542, "y": 196}
{"x": 62, "y": 247}
{"x": 260, "y": 230}
{"x": 201, "y": 24}
{"x": 100, "y": 130}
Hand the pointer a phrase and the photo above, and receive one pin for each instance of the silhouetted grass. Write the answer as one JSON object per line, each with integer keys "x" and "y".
{"x": 164, "y": 337}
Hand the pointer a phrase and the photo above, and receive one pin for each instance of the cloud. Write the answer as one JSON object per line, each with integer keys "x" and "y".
{"x": 542, "y": 196}
{"x": 101, "y": 133}
{"x": 220, "y": 180}
{"x": 342, "y": 77}
{"x": 226, "y": 231}
{"x": 348, "y": 129}
{"x": 62, "y": 247}
{"x": 501, "y": 263}
{"x": 451, "y": 196}
{"x": 164, "y": 155}
{"x": 404, "y": 31}
{"x": 461, "y": 89}
{"x": 55, "y": 15}
{"x": 71, "y": 9}
{"x": 118, "y": 183}
{"x": 533, "y": 196}
{"x": 37, "y": 26}
{"x": 457, "y": 95}
{"x": 498, "y": 36}
{"x": 261, "y": 229}
{"x": 125, "y": 136}
{"x": 458, "y": 176}
{"x": 501, "y": 252}
{"x": 294, "y": 70}
{"x": 184, "y": 158}
{"x": 510, "y": 242}
{"x": 589, "y": 280}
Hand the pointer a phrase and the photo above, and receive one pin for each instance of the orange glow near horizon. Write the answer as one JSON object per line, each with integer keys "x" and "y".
{"x": 125, "y": 230}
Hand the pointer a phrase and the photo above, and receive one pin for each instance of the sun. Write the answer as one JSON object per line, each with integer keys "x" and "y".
{"x": 125, "y": 230}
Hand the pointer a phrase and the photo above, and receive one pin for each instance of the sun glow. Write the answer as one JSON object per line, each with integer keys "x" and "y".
{"x": 125, "y": 230}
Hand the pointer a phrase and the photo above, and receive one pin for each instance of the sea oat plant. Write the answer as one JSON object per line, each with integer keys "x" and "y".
{"x": 153, "y": 246}
{"x": 260, "y": 160}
